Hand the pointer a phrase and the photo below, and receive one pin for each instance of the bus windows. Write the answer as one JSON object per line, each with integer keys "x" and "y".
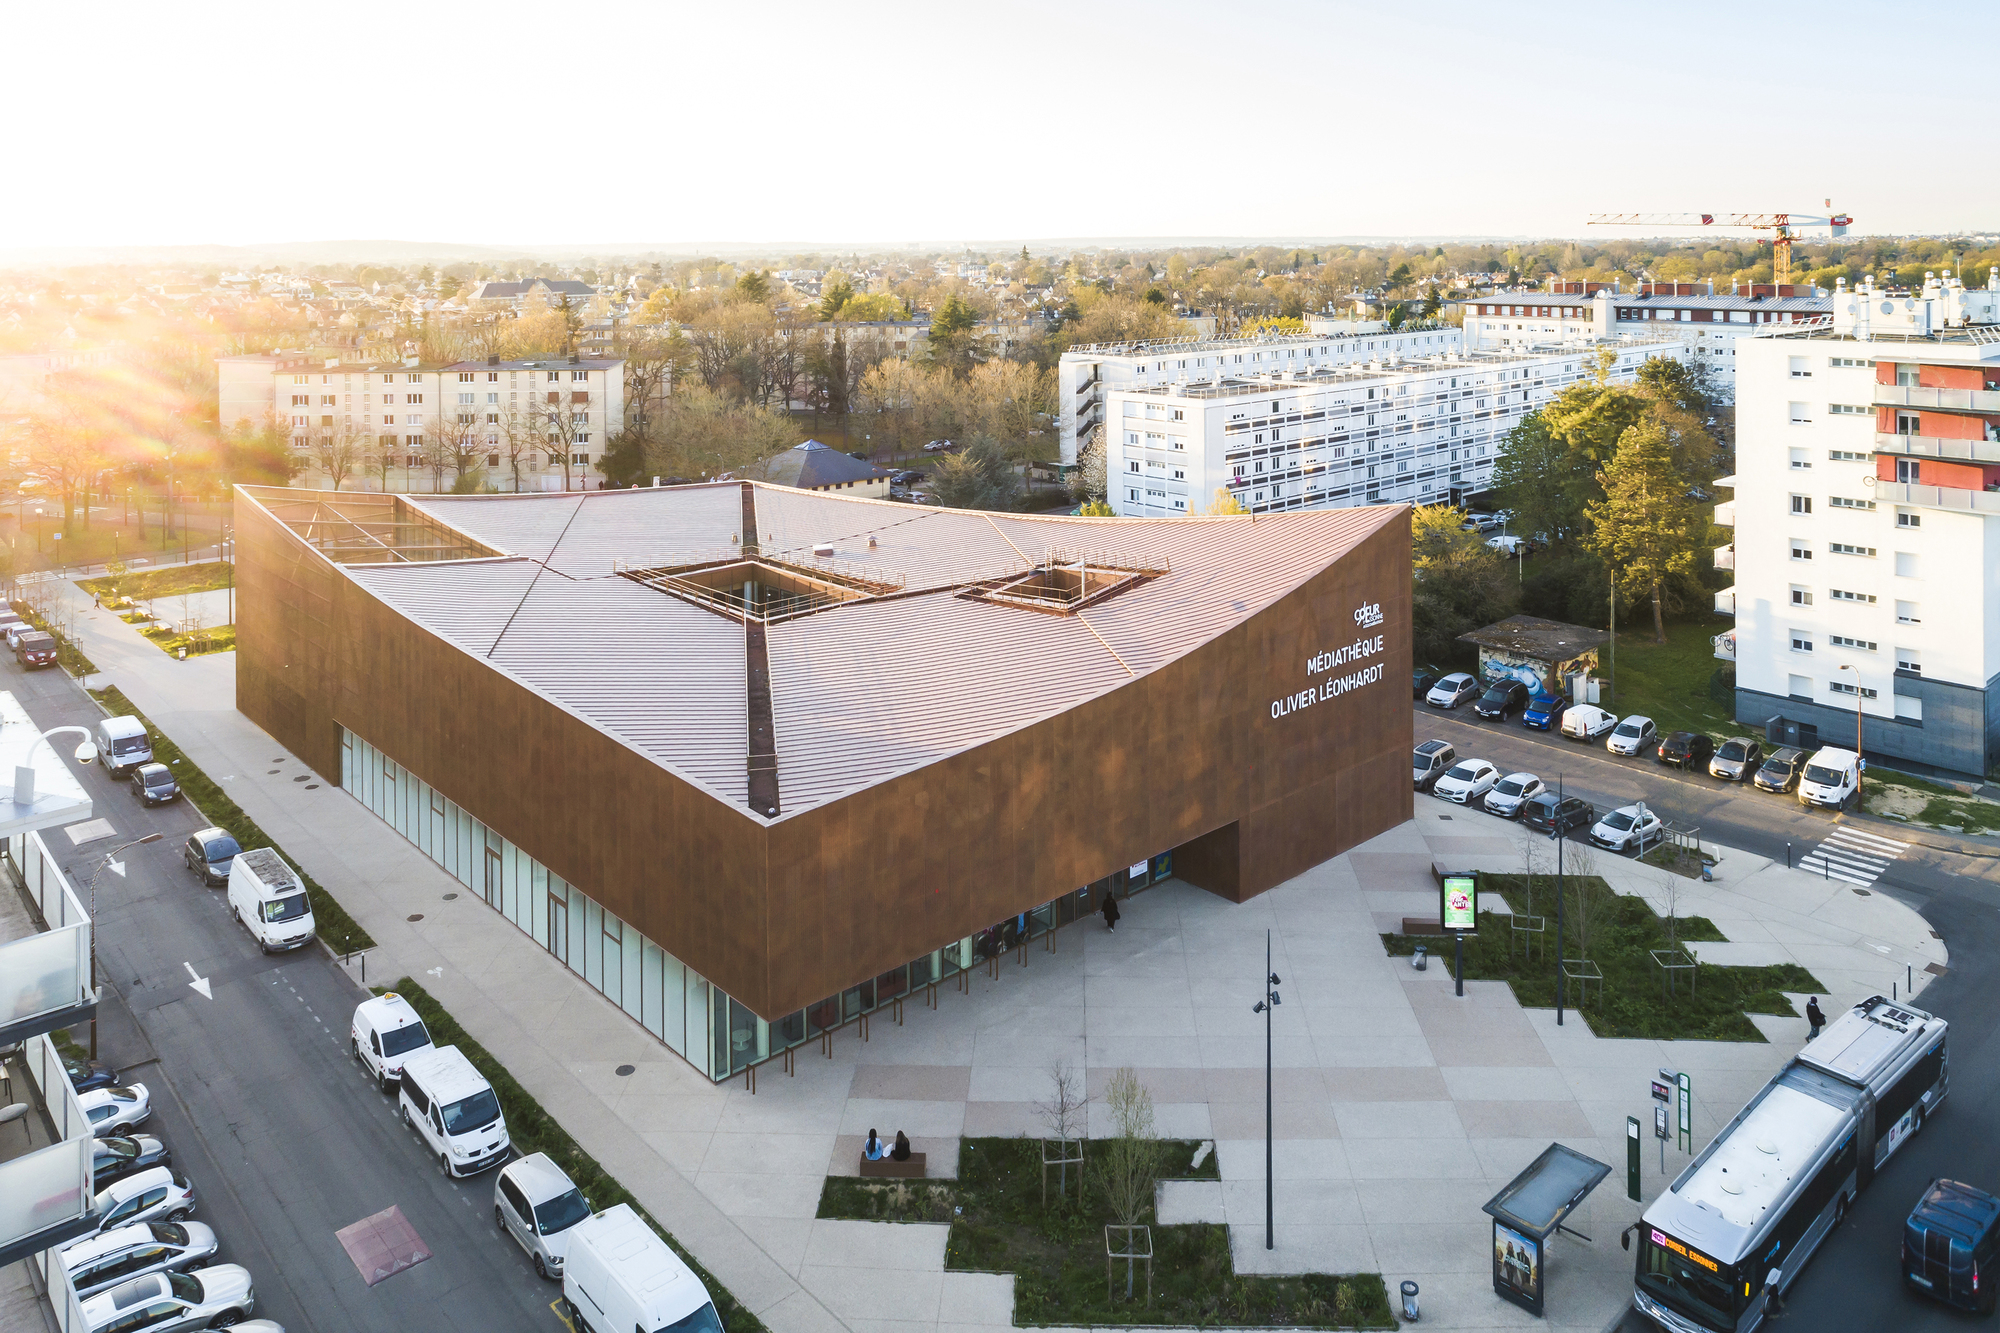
{"x": 1687, "y": 1279}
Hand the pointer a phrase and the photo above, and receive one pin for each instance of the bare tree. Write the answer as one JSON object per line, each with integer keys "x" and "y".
{"x": 1129, "y": 1161}
{"x": 520, "y": 438}
{"x": 340, "y": 450}
{"x": 1063, "y": 1114}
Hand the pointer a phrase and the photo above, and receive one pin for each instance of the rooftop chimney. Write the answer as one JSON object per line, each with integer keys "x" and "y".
{"x": 493, "y": 360}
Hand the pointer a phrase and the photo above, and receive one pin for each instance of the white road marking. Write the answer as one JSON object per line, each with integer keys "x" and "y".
{"x": 200, "y": 983}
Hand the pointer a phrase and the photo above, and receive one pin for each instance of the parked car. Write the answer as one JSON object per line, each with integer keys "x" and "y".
{"x": 1736, "y": 759}
{"x": 1780, "y": 770}
{"x": 90, "y": 1075}
{"x": 15, "y": 629}
{"x": 1467, "y": 782}
{"x": 269, "y": 900}
{"x": 1544, "y": 813}
{"x": 117, "y": 1156}
{"x": 1510, "y": 546}
{"x": 1586, "y": 722}
{"x": 212, "y": 1297}
{"x": 157, "y": 1194}
{"x": 1502, "y": 698}
{"x": 1511, "y": 792}
{"x": 210, "y": 852}
{"x": 536, "y": 1203}
{"x": 123, "y": 744}
{"x": 454, "y": 1110}
{"x": 938, "y": 446}
{"x": 1635, "y": 735}
{"x": 116, "y": 1110}
{"x": 1950, "y": 1240}
{"x": 385, "y": 1032}
{"x": 101, "y": 1262}
{"x": 1422, "y": 678}
{"x": 1831, "y": 777}
{"x": 36, "y": 648}
{"x": 1429, "y": 761}
{"x": 1690, "y": 750}
{"x": 1545, "y": 712}
{"x": 1483, "y": 522}
{"x": 1452, "y": 691}
{"x": 1627, "y": 828}
{"x": 619, "y": 1274}
{"x": 154, "y": 784}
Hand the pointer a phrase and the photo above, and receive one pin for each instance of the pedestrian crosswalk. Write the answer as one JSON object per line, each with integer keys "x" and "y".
{"x": 1852, "y": 856}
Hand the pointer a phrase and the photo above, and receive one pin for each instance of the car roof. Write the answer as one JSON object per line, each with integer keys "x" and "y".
{"x": 389, "y": 1011}
{"x": 125, "y": 1295}
{"x": 1951, "y": 1205}
{"x": 1638, "y": 717}
{"x": 1633, "y": 810}
{"x": 1789, "y": 755}
{"x": 123, "y": 726}
{"x": 139, "y": 1182}
{"x": 155, "y": 767}
{"x": 1432, "y": 747}
{"x": 1526, "y": 777}
{"x": 1682, "y": 736}
{"x": 1456, "y": 675}
{"x": 539, "y": 1178}
{"x": 445, "y": 1073}
{"x": 108, "y": 1242}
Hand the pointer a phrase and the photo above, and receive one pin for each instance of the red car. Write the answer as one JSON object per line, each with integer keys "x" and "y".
{"x": 36, "y": 648}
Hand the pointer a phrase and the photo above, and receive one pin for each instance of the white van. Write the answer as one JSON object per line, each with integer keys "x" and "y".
{"x": 1830, "y": 777}
{"x": 454, "y": 1111}
{"x": 385, "y": 1033}
{"x": 268, "y": 898}
{"x": 123, "y": 743}
{"x": 619, "y": 1276}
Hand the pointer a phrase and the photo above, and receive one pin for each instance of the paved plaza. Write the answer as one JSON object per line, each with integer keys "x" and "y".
{"x": 1399, "y": 1108}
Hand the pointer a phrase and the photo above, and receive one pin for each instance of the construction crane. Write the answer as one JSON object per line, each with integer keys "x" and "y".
{"x": 1783, "y": 226}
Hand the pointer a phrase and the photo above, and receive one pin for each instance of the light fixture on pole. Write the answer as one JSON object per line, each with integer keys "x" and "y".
{"x": 104, "y": 861}
{"x": 1264, "y": 1007}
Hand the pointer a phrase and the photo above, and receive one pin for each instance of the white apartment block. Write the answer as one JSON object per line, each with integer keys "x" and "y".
{"x": 1424, "y": 430}
{"x": 1088, "y": 374}
{"x": 571, "y": 406}
{"x": 1710, "y": 324}
{"x": 1867, "y": 527}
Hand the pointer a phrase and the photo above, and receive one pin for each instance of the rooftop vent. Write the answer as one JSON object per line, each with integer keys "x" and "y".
{"x": 767, "y": 589}
{"x": 1063, "y": 583}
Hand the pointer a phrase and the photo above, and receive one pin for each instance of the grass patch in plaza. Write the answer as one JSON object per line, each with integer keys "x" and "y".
{"x": 168, "y": 581}
{"x": 1619, "y": 934}
{"x": 1056, "y": 1253}
{"x": 341, "y": 932}
{"x": 221, "y": 639}
{"x": 534, "y": 1130}
{"x": 1668, "y": 682}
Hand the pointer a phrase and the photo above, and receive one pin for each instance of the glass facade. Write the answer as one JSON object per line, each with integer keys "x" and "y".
{"x": 697, "y": 1021}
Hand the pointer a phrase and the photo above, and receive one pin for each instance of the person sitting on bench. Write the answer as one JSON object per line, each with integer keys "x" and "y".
{"x": 901, "y": 1152}
{"x": 872, "y": 1149}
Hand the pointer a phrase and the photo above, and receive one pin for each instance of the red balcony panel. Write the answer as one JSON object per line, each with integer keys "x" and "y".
{"x": 1950, "y": 377}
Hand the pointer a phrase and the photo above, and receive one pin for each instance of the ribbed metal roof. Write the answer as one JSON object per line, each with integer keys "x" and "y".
{"x": 863, "y": 691}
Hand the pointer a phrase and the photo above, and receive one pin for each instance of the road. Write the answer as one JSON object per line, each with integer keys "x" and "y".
{"x": 1853, "y": 1282}
{"x": 256, "y": 1094}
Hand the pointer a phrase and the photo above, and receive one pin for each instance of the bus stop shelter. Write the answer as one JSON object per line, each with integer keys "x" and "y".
{"x": 1530, "y": 1210}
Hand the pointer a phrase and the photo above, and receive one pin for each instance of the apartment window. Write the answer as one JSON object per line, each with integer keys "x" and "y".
{"x": 1801, "y": 641}
{"x": 1842, "y": 502}
{"x": 1848, "y": 410}
{"x": 468, "y": 399}
{"x": 1799, "y": 687}
{"x": 1909, "y": 518}
{"x": 1909, "y": 708}
{"x": 1801, "y": 370}
{"x": 492, "y": 377}
{"x": 579, "y": 376}
{"x": 1906, "y": 565}
{"x": 388, "y": 379}
{"x": 1802, "y": 414}
{"x": 583, "y": 438}
{"x": 1908, "y": 659}
{"x": 1908, "y": 471}
{"x": 493, "y": 460}
{"x": 1801, "y": 459}
{"x": 1132, "y": 465}
{"x": 1839, "y": 361}
{"x": 416, "y": 379}
{"x": 301, "y": 400}
{"x": 1131, "y": 437}
{"x": 466, "y": 376}
{"x": 555, "y": 376}
{"x": 302, "y": 379}
{"x": 1843, "y": 641}
{"x": 1906, "y": 377}
{"x": 1849, "y": 548}
{"x": 1842, "y": 595}
{"x": 1801, "y": 504}
{"x": 326, "y": 400}
{"x": 389, "y": 420}
{"x": 579, "y": 460}
{"x": 492, "y": 418}
{"x": 1134, "y": 495}
{"x": 1842, "y": 687}
{"x": 1801, "y": 595}
{"x": 1906, "y": 614}
{"x": 413, "y": 398}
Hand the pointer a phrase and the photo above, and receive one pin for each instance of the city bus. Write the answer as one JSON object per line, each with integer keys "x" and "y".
{"x": 1740, "y": 1222}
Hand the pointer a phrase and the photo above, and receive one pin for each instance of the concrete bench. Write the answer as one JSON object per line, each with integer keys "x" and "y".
{"x": 891, "y": 1169}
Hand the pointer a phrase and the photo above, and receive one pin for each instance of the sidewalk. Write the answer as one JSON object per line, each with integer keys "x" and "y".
{"x": 1400, "y": 1109}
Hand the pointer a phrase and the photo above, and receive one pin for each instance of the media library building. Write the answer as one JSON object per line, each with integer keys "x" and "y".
{"x": 753, "y": 760}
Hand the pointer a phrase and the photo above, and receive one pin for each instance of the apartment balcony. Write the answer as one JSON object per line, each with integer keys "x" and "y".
{"x": 1938, "y": 400}
{"x": 1935, "y": 446}
{"x": 1725, "y": 646}
{"x": 1725, "y": 601}
{"x": 1937, "y": 497}
{"x": 1725, "y": 514}
{"x": 1725, "y": 556}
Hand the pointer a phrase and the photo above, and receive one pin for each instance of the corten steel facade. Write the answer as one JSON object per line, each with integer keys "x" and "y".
{"x": 942, "y": 721}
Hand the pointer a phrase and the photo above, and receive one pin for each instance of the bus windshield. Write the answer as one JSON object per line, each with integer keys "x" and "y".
{"x": 1690, "y": 1283}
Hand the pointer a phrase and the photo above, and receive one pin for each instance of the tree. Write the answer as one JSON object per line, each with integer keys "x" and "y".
{"x": 703, "y": 433}
{"x": 1646, "y": 528}
{"x": 340, "y": 450}
{"x": 521, "y": 437}
{"x": 1459, "y": 583}
{"x": 259, "y": 453}
{"x": 1129, "y": 1162}
{"x": 977, "y": 477}
{"x": 954, "y": 337}
{"x": 1225, "y": 502}
{"x": 833, "y": 296}
{"x": 754, "y": 286}
{"x": 1096, "y": 509}
{"x": 64, "y": 446}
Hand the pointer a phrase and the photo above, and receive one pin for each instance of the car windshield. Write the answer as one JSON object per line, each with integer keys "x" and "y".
{"x": 1826, "y": 777}
{"x": 185, "y": 1287}
{"x": 220, "y": 849}
{"x": 1495, "y": 693}
{"x": 1464, "y": 773}
{"x": 409, "y": 1037}
{"x": 561, "y": 1213}
{"x": 1618, "y": 821}
{"x": 1628, "y": 728}
{"x": 701, "y": 1321}
{"x": 1508, "y": 787}
{"x": 160, "y": 778}
{"x": 481, "y": 1108}
{"x": 129, "y": 745}
{"x": 288, "y": 908}
{"x": 1777, "y": 768}
{"x": 169, "y": 1233}
{"x": 1730, "y": 750}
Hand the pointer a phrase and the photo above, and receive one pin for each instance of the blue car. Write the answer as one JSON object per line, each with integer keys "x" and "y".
{"x": 1544, "y": 712}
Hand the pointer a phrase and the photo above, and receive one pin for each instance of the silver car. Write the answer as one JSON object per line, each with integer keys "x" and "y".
{"x": 208, "y": 1298}
{"x": 1736, "y": 759}
{"x": 536, "y": 1203}
{"x": 109, "y": 1258}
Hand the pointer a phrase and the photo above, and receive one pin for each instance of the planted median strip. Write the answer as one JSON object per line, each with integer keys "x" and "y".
{"x": 534, "y": 1130}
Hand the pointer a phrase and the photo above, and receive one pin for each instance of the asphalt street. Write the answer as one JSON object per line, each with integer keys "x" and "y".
{"x": 1854, "y": 1281}
{"x": 255, "y": 1092}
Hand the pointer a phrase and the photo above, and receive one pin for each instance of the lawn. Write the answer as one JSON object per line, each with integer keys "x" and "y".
{"x": 1056, "y": 1253}
{"x": 1620, "y": 934}
{"x": 170, "y": 581}
{"x": 1669, "y": 682}
{"x": 221, "y": 639}
{"x": 1931, "y": 804}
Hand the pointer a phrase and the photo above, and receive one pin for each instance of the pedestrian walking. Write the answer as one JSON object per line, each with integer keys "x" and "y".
{"x": 1814, "y": 1017}
{"x": 1110, "y": 910}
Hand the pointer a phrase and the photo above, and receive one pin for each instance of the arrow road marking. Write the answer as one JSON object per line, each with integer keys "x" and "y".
{"x": 116, "y": 867}
{"x": 199, "y": 983}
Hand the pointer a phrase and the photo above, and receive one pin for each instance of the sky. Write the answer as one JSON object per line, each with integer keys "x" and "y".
{"x": 512, "y": 124}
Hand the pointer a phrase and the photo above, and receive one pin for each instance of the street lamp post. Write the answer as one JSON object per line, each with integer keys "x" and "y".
{"x": 1264, "y": 1007}
{"x": 1560, "y": 829}
{"x": 104, "y": 861}
{"x": 1844, "y": 666}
